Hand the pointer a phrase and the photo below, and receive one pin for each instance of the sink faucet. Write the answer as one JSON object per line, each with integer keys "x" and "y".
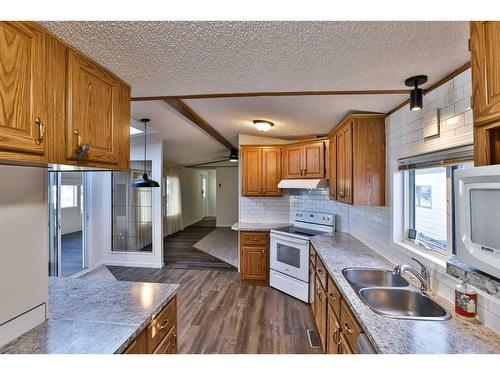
{"x": 423, "y": 275}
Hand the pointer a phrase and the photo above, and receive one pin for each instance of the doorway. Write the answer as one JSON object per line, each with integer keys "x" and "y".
{"x": 204, "y": 195}
{"x": 68, "y": 199}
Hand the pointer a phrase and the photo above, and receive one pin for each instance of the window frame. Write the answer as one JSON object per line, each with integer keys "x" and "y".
{"x": 409, "y": 215}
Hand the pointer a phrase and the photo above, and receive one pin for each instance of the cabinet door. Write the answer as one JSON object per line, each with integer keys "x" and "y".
{"x": 294, "y": 162}
{"x": 320, "y": 313}
{"x": 92, "y": 110}
{"x": 271, "y": 170}
{"x": 344, "y": 164}
{"x": 314, "y": 160}
{"x": 485, "y": 61}
{"x": 252, "y": 171}
{"x": 312, "y": 288}
{"x": 22, "y": 93}
{"x": 254, "y": 264}
{"x": 168, "y": 344}
{"x": 332, "y": 156}
{"x": 333, "y": 335}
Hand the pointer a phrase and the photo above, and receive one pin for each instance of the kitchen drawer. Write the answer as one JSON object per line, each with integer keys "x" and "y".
{"x": 139, "y": 345}
{"x": 161, "y": 325}
{"x": 312, "y": 256}
{"x": 169, "y": 343}
{"x": 321, "y": 271}
{"x": 254, "y": 238}
{"x": 350, "y": 326}
{"x": 334, "y": 296}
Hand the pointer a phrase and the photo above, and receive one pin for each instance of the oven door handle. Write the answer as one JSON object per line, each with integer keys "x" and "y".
{"x": 286, "y": 239}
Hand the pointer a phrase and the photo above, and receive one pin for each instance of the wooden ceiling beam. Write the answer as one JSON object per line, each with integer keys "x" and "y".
{"x": 278, "y": 93}
{"x": 192, "y": 116}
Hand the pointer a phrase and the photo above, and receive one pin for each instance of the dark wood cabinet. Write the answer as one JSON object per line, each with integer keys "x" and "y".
{"x": 305, "y": 160}
{"x": 254, "y": 258}
{"x": 357, "y": 166}
{"x": 262, "y": 170}
{"x": 485, "y": 63}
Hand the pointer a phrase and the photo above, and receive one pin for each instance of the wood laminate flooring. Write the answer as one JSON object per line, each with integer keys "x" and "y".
{"x": 217, "y": 314}
{"x": 179, "y": 252}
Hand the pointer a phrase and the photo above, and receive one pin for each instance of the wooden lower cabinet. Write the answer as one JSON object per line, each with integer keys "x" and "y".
{"x": 337, "y": 326}
{"x": 160, "y": 336}
{"x": 254, "y": 258}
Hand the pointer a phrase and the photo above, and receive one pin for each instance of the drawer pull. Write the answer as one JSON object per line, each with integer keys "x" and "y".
{"x": 174, "y": 341}
{"x": 332, "y": 297}
{"x": 165, "y": 324}
{"x": 320, "y": 271}
{"x": 347, "y": 328}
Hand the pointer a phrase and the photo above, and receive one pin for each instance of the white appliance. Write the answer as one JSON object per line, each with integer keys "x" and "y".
{"x": 290, "y": 252}
{"x": 477, "y": 217}
{"x": 304, "y": 183}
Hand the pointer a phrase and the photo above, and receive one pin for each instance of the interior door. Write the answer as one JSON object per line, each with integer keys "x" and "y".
{"x": 271, "y": 170}
{"x": 294, "y": 162}
{"x": 314, "y": 160}
{"x": 92, "y": 101}
{"x": 22, "y": 90}
{"x": 204, "y": 196}
{"x": 68, "y": 223}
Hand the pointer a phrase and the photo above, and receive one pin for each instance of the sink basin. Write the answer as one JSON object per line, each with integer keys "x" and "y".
{"x": 373, "y": 277}
{"x": 402, "y": 304}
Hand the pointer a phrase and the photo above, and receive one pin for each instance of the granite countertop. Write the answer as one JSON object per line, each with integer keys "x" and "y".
{"x": 389, "y": 335}
{"x": 87, "y": 316}
{"x": 257, "y": 226}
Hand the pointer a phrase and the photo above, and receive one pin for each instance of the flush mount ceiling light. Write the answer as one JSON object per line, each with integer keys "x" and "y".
{"x": 263, "y": 125}
{"x": 145, "y": 181}
{"x": 416, "y": 94}
{"x": 233, "y": 156}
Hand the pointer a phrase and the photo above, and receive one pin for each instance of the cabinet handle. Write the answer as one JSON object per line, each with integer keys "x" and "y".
{"x": 80, "y": 150}
{"x": 332, "y": 297}
{"x": 164, "y": 325}
{"x": 41, "y": 131}
{"x": 318, "y": 293}
{"x": 347, "y": 328}
{"x": 341, "y": 193}
{"x": 320, "y": 271}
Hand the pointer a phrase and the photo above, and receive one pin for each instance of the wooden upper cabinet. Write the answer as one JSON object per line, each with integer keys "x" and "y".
{"x": 294, "y": 161}
{"x": 332, "y": 169}
{"x": 53, "y": 99}
{"x": 262, "y": 170}
{"x": 22, "y": 93}
{"x": 485, "y": 62}
{"x": 271, "y": 170}
{"x": 92, "y": 103}
{"x": 305, "y": 160}
{"x": 359, "y": 160}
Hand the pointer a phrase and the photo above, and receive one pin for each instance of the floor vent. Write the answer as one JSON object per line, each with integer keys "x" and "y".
{"x": 313, "y": 339}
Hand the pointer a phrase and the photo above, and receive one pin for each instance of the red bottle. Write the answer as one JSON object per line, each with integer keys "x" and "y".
{"x": 465, "y": 301}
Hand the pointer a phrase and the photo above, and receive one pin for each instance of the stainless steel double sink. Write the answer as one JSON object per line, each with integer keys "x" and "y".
{"x": 391, "y": 295}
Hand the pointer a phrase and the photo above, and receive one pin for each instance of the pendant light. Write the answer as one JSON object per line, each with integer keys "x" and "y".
{"x": 145, "y": 181}
{"x": 416, "y": 95}
{"x": 233, "y": 156}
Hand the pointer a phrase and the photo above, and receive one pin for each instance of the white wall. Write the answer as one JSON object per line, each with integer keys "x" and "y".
{"x": 23, "y": 250}
{"x": 211, "y": 192}
{"x": 191, "y": 195}
{"x": 227, "y": 196}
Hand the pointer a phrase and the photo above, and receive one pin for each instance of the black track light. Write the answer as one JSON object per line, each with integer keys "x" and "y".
{"x": 416, "y": 95}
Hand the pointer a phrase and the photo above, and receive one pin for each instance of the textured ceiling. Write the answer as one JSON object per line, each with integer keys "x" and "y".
{"x": 293, "y": 116}
{"x": 184, "y": 142}
{"x": 174, "y": 58}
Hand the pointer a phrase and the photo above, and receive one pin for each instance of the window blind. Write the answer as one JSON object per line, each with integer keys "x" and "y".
{"x": 445, "y": 157}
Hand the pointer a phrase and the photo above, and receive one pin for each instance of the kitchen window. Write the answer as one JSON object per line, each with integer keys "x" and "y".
{"x": 428, "y": 199}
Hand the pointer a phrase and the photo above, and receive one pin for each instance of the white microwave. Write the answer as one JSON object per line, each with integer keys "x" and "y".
{"x": 477, "y": 217}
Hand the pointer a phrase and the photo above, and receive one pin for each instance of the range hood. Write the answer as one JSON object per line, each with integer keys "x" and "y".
{"x": 304, "y": 183}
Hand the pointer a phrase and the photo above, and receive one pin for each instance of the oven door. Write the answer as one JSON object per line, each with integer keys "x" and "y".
{"x": 290, "y": 256}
